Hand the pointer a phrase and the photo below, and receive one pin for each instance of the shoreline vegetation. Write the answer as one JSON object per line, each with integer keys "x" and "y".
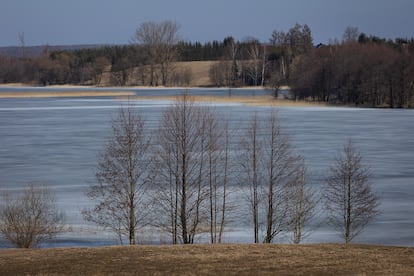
{"x": 361, "y": 70}
{"x": 49, "y": 92}
{"x": 219, "y": 259}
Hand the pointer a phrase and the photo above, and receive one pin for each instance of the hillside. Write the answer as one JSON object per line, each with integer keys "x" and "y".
{"x": 199, "y": 76}
{"x": 247, "y": 259}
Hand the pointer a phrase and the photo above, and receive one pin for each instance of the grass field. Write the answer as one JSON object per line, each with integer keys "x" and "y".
{"x": 262, "y": 100}
{"x": 51, "y": 94}
{"x": 226, "y": 259}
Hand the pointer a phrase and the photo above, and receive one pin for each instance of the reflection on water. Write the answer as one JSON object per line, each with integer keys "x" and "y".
{"x": 57, "y": 141}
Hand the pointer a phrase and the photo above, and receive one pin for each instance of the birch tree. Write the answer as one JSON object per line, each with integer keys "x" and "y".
{"x": 159, "y": 40}
{"x": 303, "y": 204}
{"x": 350, "y": 202}
{"x": 251, "y": 151}
{"x": 217, "y": 174}
{"x": 182, "y": 158}
{"x": 268, "y": 163}
{"x": 124, "y": 173}
{"x": 279, "y": 165}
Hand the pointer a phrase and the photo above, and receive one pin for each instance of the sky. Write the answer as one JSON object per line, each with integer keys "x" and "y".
{"x": 70, "y": 22}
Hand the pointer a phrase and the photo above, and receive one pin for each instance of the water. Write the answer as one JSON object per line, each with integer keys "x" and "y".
{"x": 57, "y": 141}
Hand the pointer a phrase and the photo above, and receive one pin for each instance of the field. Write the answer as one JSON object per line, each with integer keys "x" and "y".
{"x": 226, "y": 259}
{"x": 262, "y": 100}
{"x": 199, "y": 74}
{"x": 56, "y": 94}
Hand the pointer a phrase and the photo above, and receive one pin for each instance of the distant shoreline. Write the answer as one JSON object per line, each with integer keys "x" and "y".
{"x": 80, "y": 87}
{"x": 124, "y": 93}
{"x": 61, "y": 94}
{"x": 261, "y": 100}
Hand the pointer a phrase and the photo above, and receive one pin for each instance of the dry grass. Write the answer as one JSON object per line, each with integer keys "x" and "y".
{"x": 54, "y": 94}
{"x": 228, "y": 259}
{"x": 199, "y": 72}
{"x": 246, "y": 100}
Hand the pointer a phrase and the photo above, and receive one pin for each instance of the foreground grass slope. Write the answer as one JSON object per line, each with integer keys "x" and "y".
{"x": 226, "y": 259}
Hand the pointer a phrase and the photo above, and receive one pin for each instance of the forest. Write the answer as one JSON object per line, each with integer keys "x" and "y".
{"x": 359, "y": 70}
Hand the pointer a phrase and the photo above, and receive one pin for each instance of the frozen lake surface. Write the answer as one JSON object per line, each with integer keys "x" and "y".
{"x": 57, "y": 140}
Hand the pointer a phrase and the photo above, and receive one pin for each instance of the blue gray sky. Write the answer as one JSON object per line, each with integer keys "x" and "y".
{"x": 66, "y": 22}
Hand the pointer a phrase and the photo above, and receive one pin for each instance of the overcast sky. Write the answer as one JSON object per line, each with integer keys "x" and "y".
{"x": 65, "y": 22}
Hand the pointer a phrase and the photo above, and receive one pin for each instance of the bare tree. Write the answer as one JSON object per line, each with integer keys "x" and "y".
{"x": 269, "y": 166}
{"x": 303, "y": 203}
{"x": 220, "y": 73}
{"x": 216, "y": 74}
{"x": 123, "y": 177}
{"x": 225, "y": 165}
{"x": 159, "y": 40}
{"x": 182, "y": 158}
{"x": 350, "y": 202}
{"x": 22, "y": 43}
{"x": 350, "y": 34}
{"x": 233, "y": 48}
{"x": 217, "y": 174}
{"x": 254, "y": 66}
{"x": 250, "y": 163}
{"x": 193, "y": 171}
{"x": 279, "y": 163}
{"x": 99, "y": 66}
{"x": 31, "y": 218}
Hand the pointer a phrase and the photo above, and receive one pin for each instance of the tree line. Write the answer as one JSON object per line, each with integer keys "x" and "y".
{"x": 366, "y": 71}
{"x": 150, "y": 59}
{"x": 360, "y": 70}
{"x": 182, "y": 178}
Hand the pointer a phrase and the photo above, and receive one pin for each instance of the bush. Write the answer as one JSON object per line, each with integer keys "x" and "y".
{"x": 31, "y": 218}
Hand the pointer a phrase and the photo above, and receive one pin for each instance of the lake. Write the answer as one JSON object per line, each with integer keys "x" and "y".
{"x": 56, "y": 141}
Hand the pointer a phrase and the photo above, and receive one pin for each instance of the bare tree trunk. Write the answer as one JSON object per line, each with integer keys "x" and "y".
{"x": 270, "y": 208}
{"x": 250, "y": 164}
{"x": 183, "y": 212}
{"x": 264, "y": 64}
{"x": 223, "y": 206}
{"x": 303, "y": 203}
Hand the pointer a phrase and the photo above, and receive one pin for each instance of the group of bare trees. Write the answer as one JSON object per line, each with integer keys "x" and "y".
{"x": 362, "y": 73}
{"x": 159, "y": 42}
{"x": 279, "y": 197}
{"x": 193, "y": 171}
{"x": 178, "y": 179}
{"x": 253, "y": 63}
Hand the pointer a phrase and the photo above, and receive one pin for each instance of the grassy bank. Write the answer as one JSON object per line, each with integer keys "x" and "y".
{"x": 55, "y": 94}
{"x": 262, "y": 100}
{"x": 246, "y": 259}
{"x": 246, "y": 100}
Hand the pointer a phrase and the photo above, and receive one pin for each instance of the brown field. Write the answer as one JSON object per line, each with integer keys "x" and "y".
{"x": 199, "y": 74}
{"x": 226, "y": 259}
{"x": 246, "y": 100}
